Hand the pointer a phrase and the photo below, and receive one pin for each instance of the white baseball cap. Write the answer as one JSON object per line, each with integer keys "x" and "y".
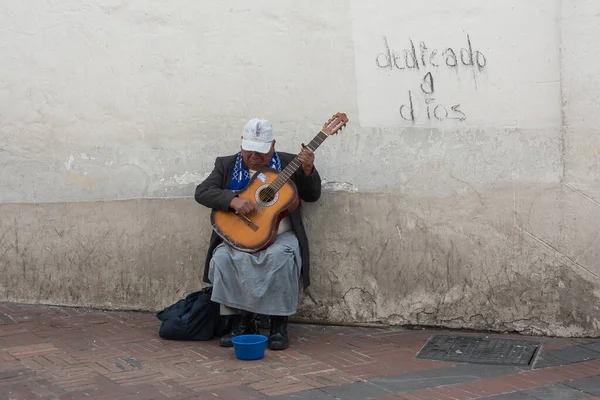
{"x": 258, "y": 136}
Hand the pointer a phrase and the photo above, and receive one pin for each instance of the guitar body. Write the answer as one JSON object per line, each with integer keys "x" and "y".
{"x": 257, "y": 231}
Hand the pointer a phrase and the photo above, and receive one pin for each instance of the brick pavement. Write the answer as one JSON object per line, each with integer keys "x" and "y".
{"x": 68, "y": 353}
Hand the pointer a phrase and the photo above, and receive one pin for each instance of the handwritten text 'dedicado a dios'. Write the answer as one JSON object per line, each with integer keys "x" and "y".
{"x": 422, "y": 57}
{"x": 424, "y": 104}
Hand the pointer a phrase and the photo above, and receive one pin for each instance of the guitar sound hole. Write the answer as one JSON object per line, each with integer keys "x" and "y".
{"x": 266, "y": 195}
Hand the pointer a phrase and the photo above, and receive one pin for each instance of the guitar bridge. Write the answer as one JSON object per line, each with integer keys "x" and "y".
{"x": 247, "y": 221}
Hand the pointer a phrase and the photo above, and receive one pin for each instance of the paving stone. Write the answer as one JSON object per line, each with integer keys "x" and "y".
{"x": 589, "y": 385}
{"x": 510, "y": 396}
{"x": 547, "y": 360}
{"x": 357, "y": 391}
{"x": 235, "y": 393}
{"x": 307, "y": 395}
{"x": 442, "y": 376}
{"x": 556, "y": 392}
{"x": 595, "y": 346}
{"x": 575, "y": 354}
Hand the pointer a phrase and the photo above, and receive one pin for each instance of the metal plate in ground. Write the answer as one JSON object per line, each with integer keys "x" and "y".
{"x": 479, "y": 350}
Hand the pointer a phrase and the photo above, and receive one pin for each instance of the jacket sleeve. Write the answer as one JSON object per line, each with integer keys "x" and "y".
{"x": 210, "y": 193}
{"x": 309, "y": 186}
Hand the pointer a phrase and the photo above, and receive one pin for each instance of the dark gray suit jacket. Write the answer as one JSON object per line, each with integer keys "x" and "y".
{"x": 214, "y": 193}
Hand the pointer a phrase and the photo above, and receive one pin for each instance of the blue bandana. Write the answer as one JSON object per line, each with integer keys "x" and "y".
{"x": 240, "y": 176}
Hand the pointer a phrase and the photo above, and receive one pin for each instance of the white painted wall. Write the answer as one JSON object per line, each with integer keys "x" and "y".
{"x": 581, "y": 100}
{"x": 116, "y": 99}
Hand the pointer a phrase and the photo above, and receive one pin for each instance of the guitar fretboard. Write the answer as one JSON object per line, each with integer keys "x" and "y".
{"x": 295, "y": 163}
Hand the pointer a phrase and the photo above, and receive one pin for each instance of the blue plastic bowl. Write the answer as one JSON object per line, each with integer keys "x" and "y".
{"x": 249, "y": 347}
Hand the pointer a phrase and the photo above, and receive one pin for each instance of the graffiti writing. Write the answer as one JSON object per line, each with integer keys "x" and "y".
{"x": 423, "y": 105}
{"x": 422, "y": 57}
{"x": 434, "y": 110}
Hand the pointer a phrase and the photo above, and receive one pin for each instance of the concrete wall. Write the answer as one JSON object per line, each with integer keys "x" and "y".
{"x": 463, "y": 194}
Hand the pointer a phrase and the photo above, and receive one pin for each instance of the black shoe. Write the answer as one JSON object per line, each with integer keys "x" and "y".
{"x": 242, "y": 325}
{"x": 278, "y": 338}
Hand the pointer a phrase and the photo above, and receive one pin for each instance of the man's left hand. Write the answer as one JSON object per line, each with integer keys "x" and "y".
{"x": 307, "y": 158}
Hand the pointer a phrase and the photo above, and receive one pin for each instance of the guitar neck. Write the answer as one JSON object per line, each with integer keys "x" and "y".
{"x": 293, "y": 166}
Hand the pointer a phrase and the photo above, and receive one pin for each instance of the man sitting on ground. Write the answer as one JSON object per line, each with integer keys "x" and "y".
{"x": 265, "y": 282}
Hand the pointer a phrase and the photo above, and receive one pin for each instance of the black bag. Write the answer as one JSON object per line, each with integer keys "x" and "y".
{"x": 196, "y": 317}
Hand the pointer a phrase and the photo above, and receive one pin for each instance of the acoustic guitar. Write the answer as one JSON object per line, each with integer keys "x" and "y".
{"x": 276, "y": 197}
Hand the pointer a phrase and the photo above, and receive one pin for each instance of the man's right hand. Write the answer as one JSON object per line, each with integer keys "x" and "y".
{"x": 243, "y": 206}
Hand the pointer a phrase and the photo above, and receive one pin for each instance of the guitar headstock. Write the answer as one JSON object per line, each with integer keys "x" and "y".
{"x": 335, "y": 124}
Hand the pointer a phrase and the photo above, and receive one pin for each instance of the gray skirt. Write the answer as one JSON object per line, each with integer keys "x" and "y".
{"x": 266, "y": 282}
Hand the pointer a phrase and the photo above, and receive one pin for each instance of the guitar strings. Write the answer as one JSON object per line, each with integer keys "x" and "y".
{"x": 270, "y": 191}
